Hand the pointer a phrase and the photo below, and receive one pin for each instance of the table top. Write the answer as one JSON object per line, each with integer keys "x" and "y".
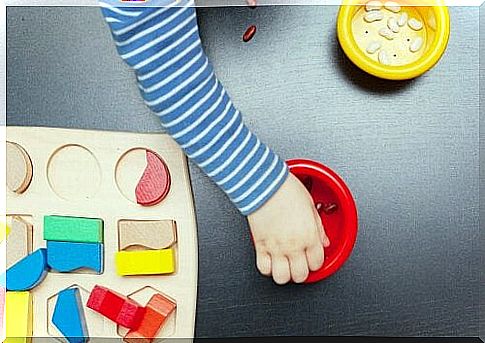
{"x": 409, "y": 151}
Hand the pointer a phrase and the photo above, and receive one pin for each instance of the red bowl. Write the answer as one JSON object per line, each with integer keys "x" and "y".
{"x": 328, "y": 189}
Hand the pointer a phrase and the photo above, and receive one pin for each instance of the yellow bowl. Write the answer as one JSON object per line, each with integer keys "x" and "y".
{"x": 356, "y": 35}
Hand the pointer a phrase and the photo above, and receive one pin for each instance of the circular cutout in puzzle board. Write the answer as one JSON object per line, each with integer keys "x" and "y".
{"x": 142, "y": 176}
{"x": 74, "y": 173}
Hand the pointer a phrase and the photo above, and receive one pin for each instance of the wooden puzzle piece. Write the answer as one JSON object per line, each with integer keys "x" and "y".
{"x": 156, "y": 312}
{"x": 48, "y": 195}
{"x": 2, "y": 306}
{"x": 146, "y": 262}
{"x": 28, "y": 272}
{"x": 116, "y": 307}
{"x": 19, "y": 317}
{"x": 5, "y": 231}
{"x": 73, "y": 229}
{"x": 154, "y": 184}
{"x": 69, "y": 316}
{"x": 19, "y": 168}
{"x": 66, "y": 257}
{"x": 19, "y": 240}
{"x": 96, "y": 324}
{"x": 151, "y": 234}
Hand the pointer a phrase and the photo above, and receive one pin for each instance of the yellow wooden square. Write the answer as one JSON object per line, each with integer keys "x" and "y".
{"x": 18, "y": 317}
{"x": 145, "y": 262}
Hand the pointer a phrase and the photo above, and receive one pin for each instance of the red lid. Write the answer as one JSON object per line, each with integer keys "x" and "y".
{"x": 337, "y": 211}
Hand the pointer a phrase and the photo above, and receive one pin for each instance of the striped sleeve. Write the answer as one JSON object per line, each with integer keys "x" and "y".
{"x": 177, "y": 82}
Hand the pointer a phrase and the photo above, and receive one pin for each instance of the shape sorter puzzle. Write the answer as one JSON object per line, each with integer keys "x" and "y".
{"x": 102, "y": 240}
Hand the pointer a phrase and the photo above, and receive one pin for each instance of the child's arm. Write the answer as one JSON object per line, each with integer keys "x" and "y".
{"x": 177, "y": 82}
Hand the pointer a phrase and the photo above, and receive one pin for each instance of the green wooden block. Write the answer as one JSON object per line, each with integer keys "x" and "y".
{"x": 73, "y": 229}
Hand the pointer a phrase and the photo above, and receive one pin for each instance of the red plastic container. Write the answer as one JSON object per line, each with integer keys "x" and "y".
{"x": 341, "y": 225}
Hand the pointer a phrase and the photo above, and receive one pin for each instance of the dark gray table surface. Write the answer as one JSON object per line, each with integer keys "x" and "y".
{"x": 409, "y": 151}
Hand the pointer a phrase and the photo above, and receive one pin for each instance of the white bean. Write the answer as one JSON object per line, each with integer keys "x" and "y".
{"x": 392, "y": 6}
{"x": 386, "y": 33}
{"x": 392, "y": 24}
{"x": 372, "y": 16}
{"x": 416, "y": 44}
{"x": 373, "y": 5}
{"x": 403, "y": 19}
{"x": 432, "y": 22}
{"x": 383, "y": 58}
{"x": 373, "y": 47}
{"x": 415, "y": 24}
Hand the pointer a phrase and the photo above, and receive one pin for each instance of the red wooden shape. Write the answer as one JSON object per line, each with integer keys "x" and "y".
{"x": 156, "y": 312}
{"x": 116, "y": 307}
{"x": 154, "y": 184}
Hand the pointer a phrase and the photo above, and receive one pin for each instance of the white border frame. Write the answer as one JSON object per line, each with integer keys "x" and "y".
{"x": 3, "y": 69}
{"x": 3, "y": 123}
{"x": 212, "y": 3}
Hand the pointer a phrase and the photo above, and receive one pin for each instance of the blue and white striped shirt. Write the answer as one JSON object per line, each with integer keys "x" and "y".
{"x": 178, "y": 83}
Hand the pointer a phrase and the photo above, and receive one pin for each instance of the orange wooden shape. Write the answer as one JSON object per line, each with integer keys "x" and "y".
{"x": 156, "y": 312}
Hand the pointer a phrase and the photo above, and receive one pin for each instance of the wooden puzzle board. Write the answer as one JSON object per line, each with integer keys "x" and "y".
{"x": 83, "y": 184}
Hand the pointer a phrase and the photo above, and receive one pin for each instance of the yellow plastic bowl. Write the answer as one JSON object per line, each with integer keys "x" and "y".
{"x": 355, "y": 35}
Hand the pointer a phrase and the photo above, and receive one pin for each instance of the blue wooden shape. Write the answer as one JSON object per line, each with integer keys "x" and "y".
{"x": 66, "y": 257}
{"x": 28, "y": 272}
{"x": 69, "y": 316}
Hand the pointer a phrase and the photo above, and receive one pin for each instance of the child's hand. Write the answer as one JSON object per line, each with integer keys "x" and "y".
{"x": 288, "y": 234}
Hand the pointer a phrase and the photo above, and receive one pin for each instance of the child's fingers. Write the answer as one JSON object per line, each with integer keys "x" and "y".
{"x": 321, "y": 230}
{"x": 315, "y": 256}
{"x": 326, "y": 240}
{"x": 326, "y": 244}
{"x": 280, "y": 269}
{"x": 299, "y": 267}
{"x": 319, "y": 225}
{"x": 263, "y": 262}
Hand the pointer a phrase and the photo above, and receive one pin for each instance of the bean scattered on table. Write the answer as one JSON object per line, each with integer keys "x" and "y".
{"x": 249, "y": 34}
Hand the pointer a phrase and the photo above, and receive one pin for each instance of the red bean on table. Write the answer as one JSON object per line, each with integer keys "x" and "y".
{"x": 249, "y": 34}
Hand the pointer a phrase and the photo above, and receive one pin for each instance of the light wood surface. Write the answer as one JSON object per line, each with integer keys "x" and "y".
{"x": 74, "y": 172}
{"x": 129, "y": 171}
{"x": 19, "y": 240}
{"x": 146, "y": 234}
{"x": 19, "y": 168}
{"x": 101, "y": 198}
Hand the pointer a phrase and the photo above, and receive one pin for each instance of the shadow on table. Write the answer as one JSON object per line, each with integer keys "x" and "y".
{"x": 360, "y": 78}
